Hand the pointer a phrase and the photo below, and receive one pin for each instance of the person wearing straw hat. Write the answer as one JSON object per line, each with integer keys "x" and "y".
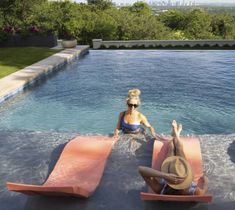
{"x": 176, "y": 176}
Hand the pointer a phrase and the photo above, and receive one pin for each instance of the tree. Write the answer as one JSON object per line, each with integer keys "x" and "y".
{"x": 7, "y": 7}
{"x": 99, "y": 24}
{"x": 148, "y": 27}
{"x": 70, "y": 21}
{"x": 100, "y": 4}
{"x": 173, "y": 19}
{"x": 198, "y": 25}
{"x": 134, "y": 26}
{"x": 46, "y": 17}
{"x": 141, "y": 8}
{"x": 223, "y": 26}
{"x": 16, "y": 11}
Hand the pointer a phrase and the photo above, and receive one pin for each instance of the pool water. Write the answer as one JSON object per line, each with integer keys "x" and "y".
{"x": 194, "y": 87}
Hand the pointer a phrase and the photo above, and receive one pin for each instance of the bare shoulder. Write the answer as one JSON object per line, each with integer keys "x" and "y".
{"x": 121, "y": 114}
{"x": 144, "y": 120}
{"x": 142, "y": 116}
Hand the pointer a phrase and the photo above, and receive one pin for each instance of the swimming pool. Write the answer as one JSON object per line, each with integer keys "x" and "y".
{"x": 194, "y": 87}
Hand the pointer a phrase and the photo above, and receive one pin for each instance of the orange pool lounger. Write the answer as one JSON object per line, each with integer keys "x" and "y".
{"x": 77, "y": 172}
{"x": 192, "y": 151}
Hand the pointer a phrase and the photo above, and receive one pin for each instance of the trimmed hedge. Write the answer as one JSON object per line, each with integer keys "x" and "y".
{"x": 30, "y": 41}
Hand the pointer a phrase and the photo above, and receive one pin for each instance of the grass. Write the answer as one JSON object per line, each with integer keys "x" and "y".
{"x": 14, "y": 59}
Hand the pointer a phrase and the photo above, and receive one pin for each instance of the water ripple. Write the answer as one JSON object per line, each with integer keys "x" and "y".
{"x": 195, "y": 87}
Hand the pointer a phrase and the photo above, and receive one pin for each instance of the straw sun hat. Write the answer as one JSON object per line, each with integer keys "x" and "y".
{"x": 180, "y": 167}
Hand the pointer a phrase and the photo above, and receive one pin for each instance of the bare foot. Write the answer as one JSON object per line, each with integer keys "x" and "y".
{"x": 202, "y": 190}
{"x": 179, "y": 129}
{"x": 205, "y": 185}
{"x": 174, "y": 128}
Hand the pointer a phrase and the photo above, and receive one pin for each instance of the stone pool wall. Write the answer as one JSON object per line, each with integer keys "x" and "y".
{"x": 18, "y": 81}
{"x": 158, "y": 44}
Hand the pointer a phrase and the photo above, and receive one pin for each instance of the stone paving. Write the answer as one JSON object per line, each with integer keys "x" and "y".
{"x": 18, "y": 81}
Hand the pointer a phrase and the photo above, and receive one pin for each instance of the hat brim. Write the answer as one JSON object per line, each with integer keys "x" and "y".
{"x": 188, "y": 179}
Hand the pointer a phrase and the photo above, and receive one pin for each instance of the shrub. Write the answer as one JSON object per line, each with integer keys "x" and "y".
{"x": 216, "y": 46}
{"x": 197, "y": 46}
{"x": 113, "y": 47}
{"x": 226, "y": 46}
{"x": 135, "y": 47}
{"x": 187, "y": 46}
{"x": 103, "y": 46}
{"x": 169, "y": 46}
{"x": 142, "y": 46}
{"x": 6, "y": 32}
{"x": 159, "y": 46}
{"x": 3, "y": 36}
{"x": 150, "y": 47}
{"x": 123, "y": 47}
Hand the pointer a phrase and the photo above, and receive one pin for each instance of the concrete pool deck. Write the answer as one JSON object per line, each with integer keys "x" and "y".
{"x": 18, "y": 81}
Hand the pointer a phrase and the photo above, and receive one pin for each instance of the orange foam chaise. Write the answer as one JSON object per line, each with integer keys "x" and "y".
{"x": 192, "y": 151}
{"x": 77, "y": 172}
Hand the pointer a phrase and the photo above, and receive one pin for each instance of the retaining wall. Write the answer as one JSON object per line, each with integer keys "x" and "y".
{"x": 100, "y": 44}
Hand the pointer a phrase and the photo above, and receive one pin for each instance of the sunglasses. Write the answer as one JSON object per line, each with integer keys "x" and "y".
{"x": 133, "y": 105}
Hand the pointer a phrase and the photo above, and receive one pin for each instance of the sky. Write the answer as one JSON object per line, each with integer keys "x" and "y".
{"x": 197, "y": 1}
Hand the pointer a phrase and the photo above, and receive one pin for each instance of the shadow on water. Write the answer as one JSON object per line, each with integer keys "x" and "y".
{"x": 54, "y": 158}
{"x": 50, "y": 202}
{"x": 231, "y": 151}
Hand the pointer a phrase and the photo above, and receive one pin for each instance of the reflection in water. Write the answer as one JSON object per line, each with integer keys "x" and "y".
{"x": 29, "y": 157}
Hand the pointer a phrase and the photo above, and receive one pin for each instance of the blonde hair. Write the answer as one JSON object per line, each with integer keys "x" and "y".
{"x": 134, "y": 94}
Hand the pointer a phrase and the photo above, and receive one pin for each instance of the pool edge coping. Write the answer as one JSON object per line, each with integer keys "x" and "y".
{"x": 18, "y": 81}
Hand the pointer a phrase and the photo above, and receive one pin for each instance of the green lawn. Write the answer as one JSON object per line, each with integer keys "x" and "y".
{"x": 14, "y": 59}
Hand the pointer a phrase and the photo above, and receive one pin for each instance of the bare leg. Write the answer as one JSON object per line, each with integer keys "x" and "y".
{"x": 171, "y": 149}
{"x": 171, "y": 146}
{"x": 179, "y": 151}
{"x": 174, "y": 128}
{"x": 150, "y": 177}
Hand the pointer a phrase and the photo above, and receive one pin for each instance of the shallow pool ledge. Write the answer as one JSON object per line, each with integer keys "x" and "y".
{"x": 18, "y": 81}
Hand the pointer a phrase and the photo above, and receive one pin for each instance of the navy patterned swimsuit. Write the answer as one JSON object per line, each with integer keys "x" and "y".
{"x": 130, "y": 128}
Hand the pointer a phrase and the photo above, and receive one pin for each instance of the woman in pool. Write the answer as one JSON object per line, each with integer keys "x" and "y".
{"x": 130, "y": 121}
{"x": 176, "y": 175}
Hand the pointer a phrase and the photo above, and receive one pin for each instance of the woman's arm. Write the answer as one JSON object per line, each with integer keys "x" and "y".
{"x": 118, "y": 127}
{"x": 145, "y": 122}
{"x": 149, "y": 172}
{"x": 153, "y": 182}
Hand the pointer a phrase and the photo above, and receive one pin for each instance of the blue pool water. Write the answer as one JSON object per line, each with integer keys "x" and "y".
{"x": 194, "y": 87}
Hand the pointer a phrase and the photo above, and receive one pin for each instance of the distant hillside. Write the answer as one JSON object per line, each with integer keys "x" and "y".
{"x": 215, "y": 9}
